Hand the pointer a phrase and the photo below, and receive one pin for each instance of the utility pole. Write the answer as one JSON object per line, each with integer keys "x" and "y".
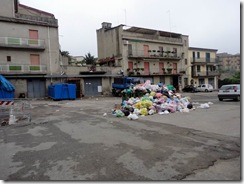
{"x": 169, "y": 22}
{"x": 125, "y": 15}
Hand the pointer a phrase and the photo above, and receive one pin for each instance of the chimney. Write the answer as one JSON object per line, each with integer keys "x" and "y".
{"x": 106, "y": 25}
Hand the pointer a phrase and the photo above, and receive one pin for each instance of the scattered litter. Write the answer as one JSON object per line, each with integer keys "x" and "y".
{"x": 132, "y": 117}
{"x": 204, "y": 106}
{"x": 105, "y": 114}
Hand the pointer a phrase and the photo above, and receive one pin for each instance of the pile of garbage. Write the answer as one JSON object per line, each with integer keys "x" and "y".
{"x": 153, "y": 99}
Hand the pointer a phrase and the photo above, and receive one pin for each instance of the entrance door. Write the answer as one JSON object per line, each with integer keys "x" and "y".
{"x": 174, "y": 68}
{"x": 176, "y": 82}
{"x": 211, "y": 81}
{"x": 161, "y": 66}
{"x": 146, "y": 48}
{"x": 33, "y": 37}
{"x": 35, "y": 88}
{"x": 130, "y": 65}
{"x": 77, "y": 83}
{"x": 146, "y": 68}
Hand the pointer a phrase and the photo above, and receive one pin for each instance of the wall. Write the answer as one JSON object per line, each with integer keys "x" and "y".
{"x": 20, "y": 86}
{"x": 106, "y": 86}
{"x": 49, "y": 55}
{"x": 7, "y": 8}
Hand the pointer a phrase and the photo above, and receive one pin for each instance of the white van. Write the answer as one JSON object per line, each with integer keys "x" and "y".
{"x": 230, "y": 91}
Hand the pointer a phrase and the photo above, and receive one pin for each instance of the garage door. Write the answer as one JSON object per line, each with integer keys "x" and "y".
{"x": 92, "y": 86}
{"x": 35, "y": 88}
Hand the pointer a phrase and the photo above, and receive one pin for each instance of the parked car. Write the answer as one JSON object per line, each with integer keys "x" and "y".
{"x": 189, "y": 88}
{"x": 205, "y": 88}
{"x": 230, "y": 91}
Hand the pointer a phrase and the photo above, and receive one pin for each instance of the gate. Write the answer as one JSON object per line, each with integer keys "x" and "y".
{"x": 91, "y": 86}
{"x": 36, "y": 88}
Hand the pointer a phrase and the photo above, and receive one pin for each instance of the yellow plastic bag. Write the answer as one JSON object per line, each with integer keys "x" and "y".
{"x": 144, "y": 112}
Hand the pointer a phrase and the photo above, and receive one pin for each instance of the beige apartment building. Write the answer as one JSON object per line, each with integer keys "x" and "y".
{"x": 204, "y": 66}
{"x": 29, "y": 48}
{"x": 229, "y": 64}
{"x": 159, "y": 56}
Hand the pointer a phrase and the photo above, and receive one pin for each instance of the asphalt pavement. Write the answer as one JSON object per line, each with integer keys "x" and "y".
{"x": 82, "y": 140}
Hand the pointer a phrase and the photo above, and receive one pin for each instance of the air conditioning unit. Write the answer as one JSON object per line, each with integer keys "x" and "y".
{"x": 126, "y": 42}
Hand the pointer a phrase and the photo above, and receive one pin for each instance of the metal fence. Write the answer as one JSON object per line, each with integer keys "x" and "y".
{"x": 14, "y": 110}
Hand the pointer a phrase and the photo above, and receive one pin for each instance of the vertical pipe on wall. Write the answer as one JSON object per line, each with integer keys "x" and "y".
{"x": 49, "y": 52}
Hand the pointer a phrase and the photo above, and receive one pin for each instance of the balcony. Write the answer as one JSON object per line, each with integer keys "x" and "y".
{"x": 205, "y": 73}
{"x": 203, "y": 61}
{"x": 152, "y": 38}
{"x": 81, "y": 70}
{"x": 154, "y": 54}
{"x": 152, "y": 72}
{"x": 22, "y": 43}
{"x": 18, "y": 69}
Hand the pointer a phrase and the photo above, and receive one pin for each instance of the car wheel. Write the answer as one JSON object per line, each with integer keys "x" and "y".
{"x": 237, "y": 98}
{"x": 220, "y": 99}
{"x": 206, "y": 90}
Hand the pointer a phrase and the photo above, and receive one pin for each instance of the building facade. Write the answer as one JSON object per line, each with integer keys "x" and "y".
{"x": 229, "y": 64}
{"x": 29, "y": 48}
{"x": 204, "y": 66}
{"x": 144, "y": 53}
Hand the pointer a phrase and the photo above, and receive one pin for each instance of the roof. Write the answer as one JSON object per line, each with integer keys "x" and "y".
{"x": 152, "y": 32}
{"x": 198, "y": 48}
{"x": 36, "y": 10}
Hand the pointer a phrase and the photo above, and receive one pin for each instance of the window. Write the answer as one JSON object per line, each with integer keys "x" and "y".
{"x": 185, "y": 61}
{"x": 185, "y": 42}
{"x": 9, "y": 58}
{"x": 175, "y": 52}
{"x": 198, "y": 68}
{"x": 201, "y": 81}
{"x": 198, "y": 55}
{"x": 207, "y": 57}
{"x": 161, "y": 49}
{"x": 130, "y": 50}
{"x": 193, "y": 56}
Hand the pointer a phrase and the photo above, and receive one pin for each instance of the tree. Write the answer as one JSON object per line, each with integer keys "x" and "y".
{"x": 89, "y": 59}
{"x": 67, "y": 54}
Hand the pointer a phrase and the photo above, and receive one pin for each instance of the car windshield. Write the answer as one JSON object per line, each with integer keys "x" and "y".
{"x": 229, "y": 87}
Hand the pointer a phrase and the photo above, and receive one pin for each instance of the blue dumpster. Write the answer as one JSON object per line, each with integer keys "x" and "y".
{"x": 62, "y": 91}
{"x": 6, "y": 89}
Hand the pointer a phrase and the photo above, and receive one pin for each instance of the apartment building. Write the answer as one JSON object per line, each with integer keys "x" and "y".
{"x": 159, "y": 56}
{"x": 204, "y": 66}
{"x": 229, "y": 64}
{"x": 29, "y": 48}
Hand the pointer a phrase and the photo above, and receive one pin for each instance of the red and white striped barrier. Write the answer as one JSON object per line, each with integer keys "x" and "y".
{"x": 6, "y": 103}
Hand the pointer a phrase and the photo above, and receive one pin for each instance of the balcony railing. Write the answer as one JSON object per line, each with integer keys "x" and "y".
{"x": 203, "y": 60}
{"x": 154, "y": 71}
{"x": 15, "y": 42}
{"x": 205, "y": 73}
{"x": 18, "y": 68}
{"x": 154, "y": 54}
{"x": 153, "y": 38}
{"x": 38, "y": 19}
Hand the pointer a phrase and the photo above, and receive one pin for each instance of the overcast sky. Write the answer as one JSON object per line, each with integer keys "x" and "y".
{"x": 213, "y": 24}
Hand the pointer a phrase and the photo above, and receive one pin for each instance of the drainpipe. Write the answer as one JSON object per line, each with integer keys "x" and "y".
{"x": 49, "y": 53}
